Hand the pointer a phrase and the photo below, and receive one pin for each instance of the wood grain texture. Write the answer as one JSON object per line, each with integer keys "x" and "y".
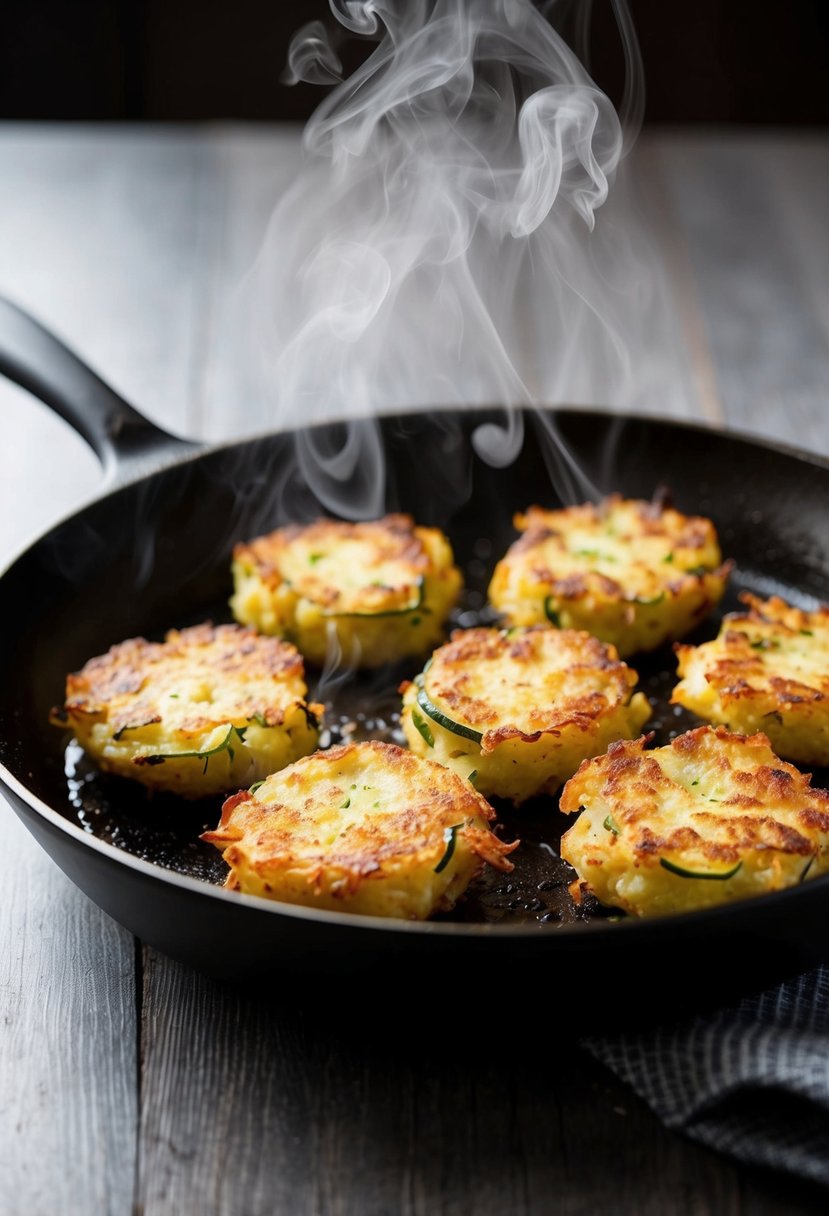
{"x": 797, "y": 177}
{"x": 68, "y": 1042}
{"x": 249, "y": 170}
{"x": 363, "y": 1104}
{"x": 104, "y": 241}
{"x": 103, "y": 238}
{"x": 765, "y": 315}
{"x": 689, "y": 364}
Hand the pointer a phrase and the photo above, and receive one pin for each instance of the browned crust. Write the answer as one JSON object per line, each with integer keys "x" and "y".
{"x": 741, "y": 674}
{"x": 631, "y": 783}
{"x": 282, "y": 833}
{"x": 448, "y": 681}
{"x": 393, "y": 538}
{"x": 687, "y": 531}
{"x": 776, "y": 611}
{"x": 540, "y": 526}
{"x": 126, "y": 670}
{"x": 580, "y": 585}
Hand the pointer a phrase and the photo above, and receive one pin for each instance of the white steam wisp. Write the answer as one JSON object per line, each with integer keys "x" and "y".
{"x": 440, "y": 245}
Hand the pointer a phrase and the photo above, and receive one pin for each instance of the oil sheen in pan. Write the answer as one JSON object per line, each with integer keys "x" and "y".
{"x": 164, "y": 829}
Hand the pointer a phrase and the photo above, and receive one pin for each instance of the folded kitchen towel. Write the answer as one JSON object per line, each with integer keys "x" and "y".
{"x": 751, "y": 1080}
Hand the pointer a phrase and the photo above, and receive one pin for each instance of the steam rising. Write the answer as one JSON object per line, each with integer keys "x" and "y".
{"x": 440, "y": 246}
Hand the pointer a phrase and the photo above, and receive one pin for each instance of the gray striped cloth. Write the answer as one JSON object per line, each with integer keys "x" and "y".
{"x": 751, "y": 1080}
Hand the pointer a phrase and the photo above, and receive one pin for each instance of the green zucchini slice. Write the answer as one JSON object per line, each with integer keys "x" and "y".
{"x": 204, "y": 754}
{"x": 552, "y": 614}
{"x": 683, "y": 873}
{"x": 422, "y": 729}
{"x": 457, "y": 728}
{"x": 449, "y": 835}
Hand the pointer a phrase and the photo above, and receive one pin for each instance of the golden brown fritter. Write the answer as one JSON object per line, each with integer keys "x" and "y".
{"x": 207, "y": 709}
{"x": 367, "y": 593}
{"x": 367, "y": 827}
{"x": 767, "y": 670}
{"x": 521, "y": 708}
{"x": 633, "y": 573}
{"x": 710, "y": 818}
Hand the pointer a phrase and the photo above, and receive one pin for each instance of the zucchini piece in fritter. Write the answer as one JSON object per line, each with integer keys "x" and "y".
{"x": 710, "y": 818}
{"x": 767, "y": 670}
{"x": 368, "y": 593}
{"x": 633, "y": 573}
{"x": 200, "y": 713}
{"x": 366, "y": 827}
{"x": 521, "y": 708}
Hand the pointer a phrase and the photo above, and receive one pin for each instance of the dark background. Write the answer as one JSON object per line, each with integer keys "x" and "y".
{"x": 721, "y": 61}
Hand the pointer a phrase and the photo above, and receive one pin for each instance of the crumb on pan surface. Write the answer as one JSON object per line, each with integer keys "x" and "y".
{"x": 768, "y": 669}
{"x": 633, "y": 573}
{"x": 366, "y": 828}
{"x": 520, "y": 708}
{"x": 712, "y": 817}
{"x": 371, "y": 592}
{"x": 207, "y": 709}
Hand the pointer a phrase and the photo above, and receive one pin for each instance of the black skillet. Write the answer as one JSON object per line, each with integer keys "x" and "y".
{"x": 153, "y": 552}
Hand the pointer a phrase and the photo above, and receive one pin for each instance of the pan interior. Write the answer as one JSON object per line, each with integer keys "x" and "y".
{"x": 156, "y": 555}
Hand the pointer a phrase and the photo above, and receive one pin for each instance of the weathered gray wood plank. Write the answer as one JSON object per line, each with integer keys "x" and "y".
{"x": 797, "y": 177}
{"x": 250, "y": 170}
{"x": 103, "y": 240}
{"x": 688, "y": 368}
{"x": 68, "y": 1044}
{"x": 361, "y": 1105}
{"x": 765, "y": 315}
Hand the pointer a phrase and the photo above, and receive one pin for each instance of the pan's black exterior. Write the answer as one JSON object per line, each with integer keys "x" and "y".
{"x": 602, "y": 975}
{"x": 155, "y": 553}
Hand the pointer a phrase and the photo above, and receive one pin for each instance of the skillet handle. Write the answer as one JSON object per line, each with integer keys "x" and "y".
{"x": 125, "y": 442}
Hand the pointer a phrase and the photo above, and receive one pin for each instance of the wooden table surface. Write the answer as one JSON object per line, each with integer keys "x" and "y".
{"x": 127, "y": 1082}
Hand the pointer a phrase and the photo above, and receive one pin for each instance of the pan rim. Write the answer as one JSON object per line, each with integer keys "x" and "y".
{"x": 179, "y": 459}
{"x": 597, "y": 930}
